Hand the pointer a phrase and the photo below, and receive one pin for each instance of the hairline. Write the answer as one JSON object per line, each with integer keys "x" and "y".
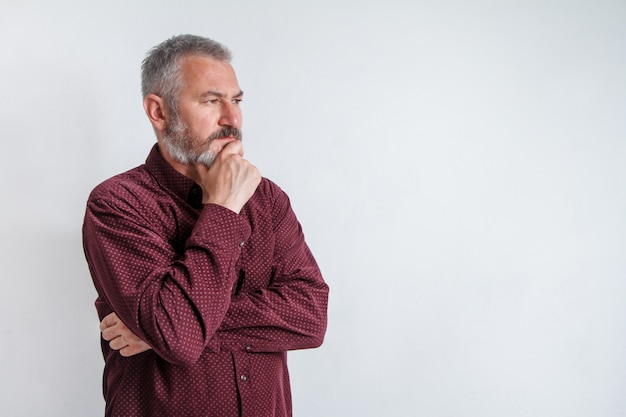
{"x": 166, "y": 81}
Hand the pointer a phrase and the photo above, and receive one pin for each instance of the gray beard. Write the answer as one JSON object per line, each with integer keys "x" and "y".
{"x": 178, "y": 142}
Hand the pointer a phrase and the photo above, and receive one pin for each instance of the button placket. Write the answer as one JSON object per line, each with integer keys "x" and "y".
{"x": 243, "y": 372}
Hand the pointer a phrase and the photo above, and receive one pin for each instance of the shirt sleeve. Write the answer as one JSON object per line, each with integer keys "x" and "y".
{"x": 291, "y": 313}
{"x": 174, "y": 302}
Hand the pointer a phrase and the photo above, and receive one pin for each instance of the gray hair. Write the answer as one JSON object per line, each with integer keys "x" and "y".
{"x": 160, "y": 70}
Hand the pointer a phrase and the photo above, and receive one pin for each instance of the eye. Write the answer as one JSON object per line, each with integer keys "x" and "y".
{"x": 237, "y": 101}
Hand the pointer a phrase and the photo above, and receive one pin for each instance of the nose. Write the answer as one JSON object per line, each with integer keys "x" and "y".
{"x": 230, "y": 115}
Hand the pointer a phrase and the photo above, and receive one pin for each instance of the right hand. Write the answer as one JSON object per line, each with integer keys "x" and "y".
{"x": 231, "y": 180}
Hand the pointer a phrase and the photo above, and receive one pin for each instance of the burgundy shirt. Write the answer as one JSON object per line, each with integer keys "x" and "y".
{"x": 219, "y": 296}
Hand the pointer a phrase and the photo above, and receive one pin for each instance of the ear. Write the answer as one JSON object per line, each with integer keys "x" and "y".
{"x": 157, "y": 111}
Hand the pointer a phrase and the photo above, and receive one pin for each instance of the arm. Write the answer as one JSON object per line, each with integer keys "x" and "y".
{"x": 291, "y": 313}
{"x": 175, "y": 303}
{"x": 173, "y": 298}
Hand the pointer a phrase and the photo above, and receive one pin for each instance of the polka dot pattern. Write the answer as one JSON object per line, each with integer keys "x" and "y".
{"x": 219, "y": 296}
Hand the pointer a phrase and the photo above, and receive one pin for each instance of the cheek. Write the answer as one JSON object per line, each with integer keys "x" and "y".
{"x": 202, "y": 128}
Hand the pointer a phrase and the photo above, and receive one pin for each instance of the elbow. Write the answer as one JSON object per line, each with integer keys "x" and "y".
{"x": 319, "y": 324}
{"x": 317, "y": 337}
{"x": 181, "y": 333}
{"x": 181, "y": 345}
{"x": 319, "y": 331}
{"x": 181, "y": 352}
{"x": 312, "y": 338}
{"x": 185, "y": 358}
{"x": 322, "y": 319}
{"x": 316, "y": 341}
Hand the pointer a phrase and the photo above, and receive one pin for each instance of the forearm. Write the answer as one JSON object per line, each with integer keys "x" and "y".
{"x": 174, "y": 302}
{"x": 290, "y": 311}
{"x": 289, "y": 314}
{"x": 275, "y": 319}
{"x": 280, "y": 305}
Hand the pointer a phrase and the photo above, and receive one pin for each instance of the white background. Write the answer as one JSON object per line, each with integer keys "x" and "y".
{"x": 459, "y": 168}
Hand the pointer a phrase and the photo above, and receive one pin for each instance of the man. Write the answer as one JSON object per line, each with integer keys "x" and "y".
{"x": 204, "y": 279}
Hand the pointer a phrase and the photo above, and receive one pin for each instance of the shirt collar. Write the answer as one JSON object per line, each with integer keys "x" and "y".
{"x": 172, "y": 180}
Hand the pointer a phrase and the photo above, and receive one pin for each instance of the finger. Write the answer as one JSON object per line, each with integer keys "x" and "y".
{"x": 118, "y": 343}
{"x": 134, "y": 349}
{"x": 115, "y": 330}
{"x": 111, "y": 333}
{"x": 108, "y": 321}
{"x": 233, "y": 148}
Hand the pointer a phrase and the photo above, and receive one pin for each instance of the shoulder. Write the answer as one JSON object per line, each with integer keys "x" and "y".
{"x": 130, "y": 187}
{"x": 269, "y": 188}
{"x": 271, "y": 192}
{"x": 272, "y": 201}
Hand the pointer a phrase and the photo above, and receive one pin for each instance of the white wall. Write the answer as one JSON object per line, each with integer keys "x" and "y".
{"x": 459, "y": 169}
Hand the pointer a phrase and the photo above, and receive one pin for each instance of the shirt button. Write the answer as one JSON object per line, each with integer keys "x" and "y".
{"x": 248, "y": 348}
{"x": 244, "y": 378}
{"x": 242, "y": 243}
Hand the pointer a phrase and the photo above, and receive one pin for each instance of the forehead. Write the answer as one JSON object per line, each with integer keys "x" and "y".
{"x": 202, "y": 73}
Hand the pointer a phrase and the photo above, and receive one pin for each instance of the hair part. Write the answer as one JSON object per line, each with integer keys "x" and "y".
{"x": 160, "y": 70}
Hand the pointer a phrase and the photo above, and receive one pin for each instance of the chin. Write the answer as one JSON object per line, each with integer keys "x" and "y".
{"x": 207, "y": 158}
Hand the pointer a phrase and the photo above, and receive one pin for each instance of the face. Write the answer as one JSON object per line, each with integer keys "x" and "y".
{"x": 208, "y": 116}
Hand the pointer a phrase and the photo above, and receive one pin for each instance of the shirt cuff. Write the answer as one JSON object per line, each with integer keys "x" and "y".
{"x": 219, "y": 224}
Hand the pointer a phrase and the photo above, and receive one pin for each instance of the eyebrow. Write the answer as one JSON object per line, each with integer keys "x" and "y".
{"x": 219, "y": 94}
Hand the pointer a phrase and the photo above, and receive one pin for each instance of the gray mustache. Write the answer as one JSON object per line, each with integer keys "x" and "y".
{"x": 225, "y": 132}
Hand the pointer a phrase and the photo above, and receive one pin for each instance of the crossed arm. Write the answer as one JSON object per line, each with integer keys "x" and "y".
{"x": 287, "y": 313}
{"x": 179, "y": 304}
